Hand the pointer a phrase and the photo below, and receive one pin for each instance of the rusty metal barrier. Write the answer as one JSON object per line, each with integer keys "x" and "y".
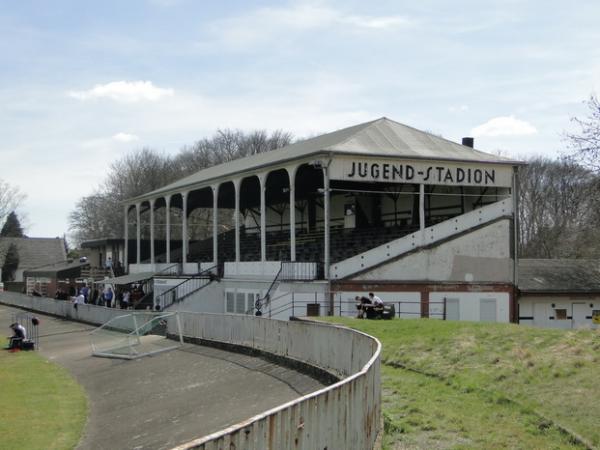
{"x": 342, "y": 416}
{"x": 345, "y": 415}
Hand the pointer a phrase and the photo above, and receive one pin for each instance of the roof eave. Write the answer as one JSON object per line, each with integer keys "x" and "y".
{"x": 326, "y": 151}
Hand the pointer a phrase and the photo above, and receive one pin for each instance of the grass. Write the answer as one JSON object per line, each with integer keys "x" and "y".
{"x": 42, "y": 406}
{"x": 472, "y": 385}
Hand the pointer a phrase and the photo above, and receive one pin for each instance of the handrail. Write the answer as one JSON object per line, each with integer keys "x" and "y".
{"x": 174, "y": 289}
{"x": 267, "y": 297}
{"x": 176, "y": 265}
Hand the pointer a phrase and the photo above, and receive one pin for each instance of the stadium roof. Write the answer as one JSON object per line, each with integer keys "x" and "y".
{"x": 559, "y": 275}
{"x": 380, "y": 138}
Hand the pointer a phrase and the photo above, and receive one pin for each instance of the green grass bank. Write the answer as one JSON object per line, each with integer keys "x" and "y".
{"x": 461, "y": 385}
{"x": 42, "y": 406}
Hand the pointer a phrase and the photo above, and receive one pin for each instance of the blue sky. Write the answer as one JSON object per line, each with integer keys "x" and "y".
{"x": 83, "y": 83}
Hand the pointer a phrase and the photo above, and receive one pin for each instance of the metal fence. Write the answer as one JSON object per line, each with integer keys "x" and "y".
{"x": 404, "y": 309}
{"x": 345, "y": 415}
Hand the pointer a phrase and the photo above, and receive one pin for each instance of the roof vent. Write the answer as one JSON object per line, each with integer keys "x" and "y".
{"x": 468, "y": 141}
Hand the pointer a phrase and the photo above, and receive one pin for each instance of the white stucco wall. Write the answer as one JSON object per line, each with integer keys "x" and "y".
{"x": 482, "y": 255}
{"x": 470, "y": 304}
{"x": 538, "y": 310}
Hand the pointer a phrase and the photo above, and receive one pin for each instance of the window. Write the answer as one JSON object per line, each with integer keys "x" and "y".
{"x": 240, "y": 300}
{"x": 250, "y": 302}
{"x": 230, "y": 304}
{"x": 560, "y": 314}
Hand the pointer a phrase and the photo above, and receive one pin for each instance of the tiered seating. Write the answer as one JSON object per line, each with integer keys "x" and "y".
{"x": 345, "y": 243}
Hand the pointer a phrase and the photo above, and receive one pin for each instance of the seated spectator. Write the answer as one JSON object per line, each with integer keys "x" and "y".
{"x": 19, "y": 335}
{"x": 362, "y": 304}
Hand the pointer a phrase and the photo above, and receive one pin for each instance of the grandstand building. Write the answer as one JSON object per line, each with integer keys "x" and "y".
{"x": 426, "y": 223}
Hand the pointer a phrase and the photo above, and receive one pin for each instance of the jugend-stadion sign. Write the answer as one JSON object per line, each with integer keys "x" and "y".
{"x": 421, "y": 172}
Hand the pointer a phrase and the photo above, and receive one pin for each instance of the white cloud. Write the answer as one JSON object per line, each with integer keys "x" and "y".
{"x": 504, "y": 126}
{"x": 266, "y": 23}
{"x": 124, "y": 91}
{"x": 125, "y": 137}
{"x": 460, "y": 108}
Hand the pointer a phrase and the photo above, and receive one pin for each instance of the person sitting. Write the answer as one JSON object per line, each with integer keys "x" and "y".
{"x": 374, "y": 310}
{"x": 362, "y": 304}
{"x": 19, "y": 335}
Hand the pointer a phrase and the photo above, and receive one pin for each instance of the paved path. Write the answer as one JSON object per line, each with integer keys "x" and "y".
{"x": 160, "y": 401}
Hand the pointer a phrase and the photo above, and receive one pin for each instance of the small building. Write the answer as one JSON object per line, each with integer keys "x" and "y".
{"x": 46, "y": 280}
{"x": 559, "y": 293}
{"x": 32, "y": 252}
{"x": 99, "y": 251}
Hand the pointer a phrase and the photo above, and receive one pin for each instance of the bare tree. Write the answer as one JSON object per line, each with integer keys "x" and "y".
{"x": 558, "y": 209}
{"x": 586, "y": 143}
{"x": 227, "y": 145}
{"x": 10, "y": 198}
{"x": 101, "y": 214}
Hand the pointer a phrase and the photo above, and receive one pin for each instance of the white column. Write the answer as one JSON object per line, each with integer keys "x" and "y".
{"x": 326, "y": 220}
{"x": 263, "y": 217}
{"x": 184, "y": 228}
{"x": 292, "y": 177}
{"x": 126, "y": 238}
{"x": 152, "y": 259}
{"x": 236, "y": 185}
{"x": 168, "y": 225}
{"x": 138, "y": 253}
{"x": 215, "y": 190}
{"x": 422, "y": 210}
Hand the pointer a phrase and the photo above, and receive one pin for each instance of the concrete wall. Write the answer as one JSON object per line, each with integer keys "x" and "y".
{"x": 482, "y": 255}
{"x": 209, "y": 299}
{"x": 344, "y": 415}
{"x": 541, "y": 310}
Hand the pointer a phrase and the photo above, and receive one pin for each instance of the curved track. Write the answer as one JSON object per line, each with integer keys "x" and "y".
{"x": 161, "y": 401}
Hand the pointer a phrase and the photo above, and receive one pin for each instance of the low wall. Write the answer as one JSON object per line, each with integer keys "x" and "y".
{"x": 96, "y": 315}
{"x": 344, "y": 415}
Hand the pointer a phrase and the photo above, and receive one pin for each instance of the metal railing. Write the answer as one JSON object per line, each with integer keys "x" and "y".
{"x": 404, "y": 309}
{"x": 266, "y": 299}
{"x": 186, "y": 288}
{"x": 300, "y": 271}
{"x": 173, "y": 269}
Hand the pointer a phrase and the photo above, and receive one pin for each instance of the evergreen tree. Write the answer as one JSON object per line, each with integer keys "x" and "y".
{"x": 12, "y": 227}
{"x": 11, "y": 263}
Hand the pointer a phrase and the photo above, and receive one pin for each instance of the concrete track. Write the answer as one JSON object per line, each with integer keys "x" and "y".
{"x": 160, "y": 401}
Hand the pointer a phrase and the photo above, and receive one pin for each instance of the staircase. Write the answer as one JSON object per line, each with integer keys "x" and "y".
{"x": 185, "y": 289}
{"x": 421, "y": 239}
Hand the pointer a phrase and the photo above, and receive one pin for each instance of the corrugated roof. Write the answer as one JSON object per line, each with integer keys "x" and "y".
{"x": 65, "y": 269}
{"x": 34, "y": 252}
{"x": 382, "y": 137}
{"x": 559, "y": 275}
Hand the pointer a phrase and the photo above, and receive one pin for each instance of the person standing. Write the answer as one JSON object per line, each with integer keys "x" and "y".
{"x": 125, "y": 304}
{"x": 108, "y": 296}
{"x": 80, "y": 299}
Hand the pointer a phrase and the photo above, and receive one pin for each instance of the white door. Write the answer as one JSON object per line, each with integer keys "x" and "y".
{"x": 580, "y": 311}
{"x": 540, "y": 314}
{"x": 487, "y": 310}
{"x": 452, "y": 309}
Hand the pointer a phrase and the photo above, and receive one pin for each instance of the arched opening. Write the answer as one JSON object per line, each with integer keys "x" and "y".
{"x": 277, "y": 201}
{"x": 250, "y": 218}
